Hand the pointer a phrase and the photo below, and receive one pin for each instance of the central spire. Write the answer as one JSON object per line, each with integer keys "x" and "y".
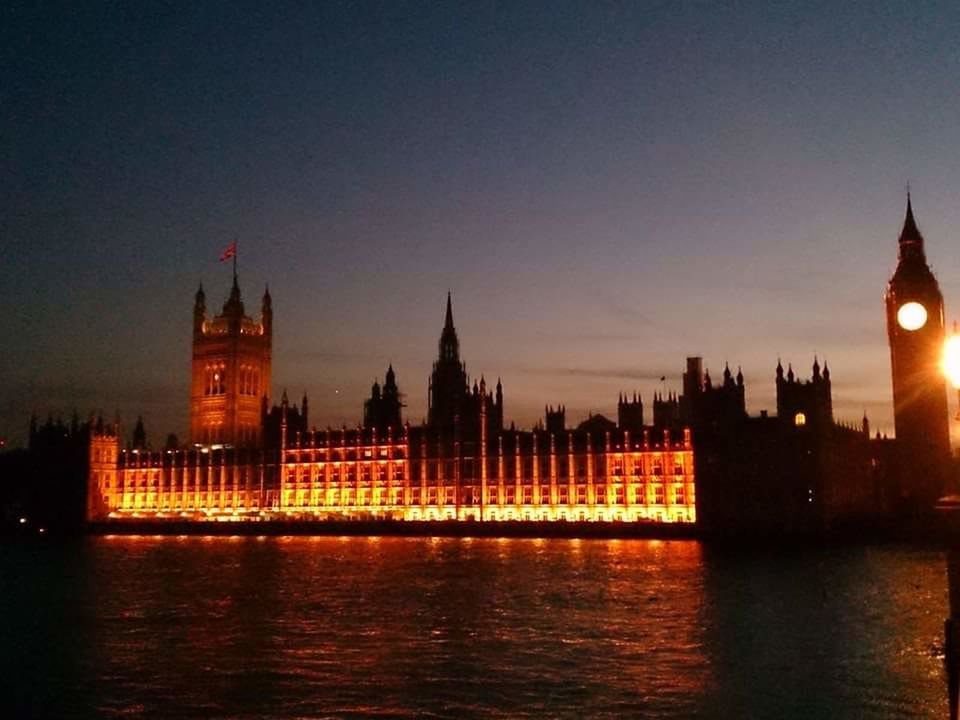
{"x": 234, "y": 304}
{"x": 449, "y": 344}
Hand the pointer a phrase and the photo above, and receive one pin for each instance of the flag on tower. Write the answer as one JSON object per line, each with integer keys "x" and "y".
{"x": 229, "y": 252}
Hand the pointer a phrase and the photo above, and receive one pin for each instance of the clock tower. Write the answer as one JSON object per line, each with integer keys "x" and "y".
{"x": 915, "y": 328}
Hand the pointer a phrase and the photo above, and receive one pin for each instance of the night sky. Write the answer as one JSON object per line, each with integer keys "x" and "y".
{"x": 605, "y": 188}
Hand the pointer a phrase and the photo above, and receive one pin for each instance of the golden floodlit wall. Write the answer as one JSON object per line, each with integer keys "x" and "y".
{"x": 353, "y": 475}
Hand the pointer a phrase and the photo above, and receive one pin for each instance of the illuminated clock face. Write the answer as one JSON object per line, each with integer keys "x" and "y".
{"x": 912, "y": 316}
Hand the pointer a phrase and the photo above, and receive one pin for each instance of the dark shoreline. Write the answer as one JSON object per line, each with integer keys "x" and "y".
{"x": 361, "y": 528}
{"x": 922, "y": 531}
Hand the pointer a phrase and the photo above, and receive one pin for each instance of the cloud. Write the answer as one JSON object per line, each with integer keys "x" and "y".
{"x": 652, "y": 375}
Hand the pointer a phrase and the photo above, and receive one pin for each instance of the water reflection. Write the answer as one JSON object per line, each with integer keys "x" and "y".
{"x": 351, "y": 627}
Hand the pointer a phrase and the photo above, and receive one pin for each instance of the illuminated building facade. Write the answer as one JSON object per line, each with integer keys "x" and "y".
{"x": 231, "y": 371}
{"x": 514, "y": 475}
{"x": 408, "y": 475}
{"x": 460, "y": 465}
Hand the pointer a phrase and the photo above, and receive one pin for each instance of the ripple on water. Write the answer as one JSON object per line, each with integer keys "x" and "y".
{"x": 446, "y": 628}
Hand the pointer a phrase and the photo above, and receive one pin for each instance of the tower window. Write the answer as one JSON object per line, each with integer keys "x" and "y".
{"x": 799, "y": 419}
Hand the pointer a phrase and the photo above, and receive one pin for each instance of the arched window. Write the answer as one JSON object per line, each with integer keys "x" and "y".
{"x": 800, "y": 419}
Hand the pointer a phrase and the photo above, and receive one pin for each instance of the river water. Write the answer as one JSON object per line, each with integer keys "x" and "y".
{"x": 457, "y": 628}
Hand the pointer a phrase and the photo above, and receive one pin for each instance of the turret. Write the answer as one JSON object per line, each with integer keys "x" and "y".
{"x": 230, "y": 371}
{"x": 199, "y": 311}
{"x": 139, "y": 435}
{"x": 727, "y": 375}
{"x": 266, "y": 312}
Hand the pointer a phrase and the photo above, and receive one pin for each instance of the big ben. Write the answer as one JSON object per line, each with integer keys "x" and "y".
{"x": 915, "y": 328}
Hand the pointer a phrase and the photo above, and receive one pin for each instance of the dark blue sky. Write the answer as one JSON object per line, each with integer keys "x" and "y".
{"x": 605, "y": 187}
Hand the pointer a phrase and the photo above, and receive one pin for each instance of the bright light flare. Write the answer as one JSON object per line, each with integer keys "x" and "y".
{"x": 951, "y": 360}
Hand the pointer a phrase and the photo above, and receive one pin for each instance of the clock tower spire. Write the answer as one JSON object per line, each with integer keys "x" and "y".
{"x": 915, "y": 329}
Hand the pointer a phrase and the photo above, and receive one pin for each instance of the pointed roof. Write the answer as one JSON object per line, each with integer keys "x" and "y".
{"x": 911, "y": 243}
{"x": 234, "y": 305}
{"x": 449, "y": 344}
{"x": 910, "y": 234}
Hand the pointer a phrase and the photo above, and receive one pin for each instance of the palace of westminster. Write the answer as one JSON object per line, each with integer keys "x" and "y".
{"x": 697, "y": 458}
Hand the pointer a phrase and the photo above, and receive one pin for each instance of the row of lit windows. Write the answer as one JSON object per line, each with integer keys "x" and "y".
{"x": 617, "y": 464}
{"x": 346, "y": 473}
{"x": 176, "y": 486}
{"x": 149, "y": 502}
{"x": 470, "y": 468}
{"x": 215, "y": 380}
{"x": 378, "y": 474}
{"x": 103, "y": 454}
{"x": 434, "y": 496}
{"x": 600, "y": 466}
{"x": 348, "y": 454}
{"x": 381, "y": 482}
